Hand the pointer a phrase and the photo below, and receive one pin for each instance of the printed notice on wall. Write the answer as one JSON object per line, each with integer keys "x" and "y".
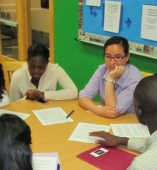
{"x": 149, "y": 22}
{"x": 112, "y": 16}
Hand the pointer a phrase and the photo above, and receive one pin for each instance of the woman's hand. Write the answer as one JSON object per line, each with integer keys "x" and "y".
{"x": 34, "y": 94}
{"x": 116, "y": 73}
{"x": 110, "y": 140}
{"x": 109, "y": 112}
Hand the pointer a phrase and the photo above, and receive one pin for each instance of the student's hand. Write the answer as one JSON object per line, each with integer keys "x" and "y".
{"x": 116, "y": 73}
{"x": 107, "y": 111}
{"x": 34, "y": 94}
{"x": 110, "y": 140}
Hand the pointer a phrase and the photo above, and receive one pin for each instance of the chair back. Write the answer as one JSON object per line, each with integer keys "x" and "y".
{"x": 8, "y": 69}
{"x": 146, "y": 74}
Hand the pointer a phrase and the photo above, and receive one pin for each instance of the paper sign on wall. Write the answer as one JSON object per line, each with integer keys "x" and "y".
{"x": 149, "y": 22}
{"x": 93, "y": 2}
{"x": 112, "y": 16}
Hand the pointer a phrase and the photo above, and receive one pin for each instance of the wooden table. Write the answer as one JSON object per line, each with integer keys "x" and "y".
{"x": 54, "y": 138}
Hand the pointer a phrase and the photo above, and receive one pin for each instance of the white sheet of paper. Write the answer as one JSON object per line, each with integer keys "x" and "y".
{"x": 21, "y": 115}
{"x": 44, "y": 163}
{"x": 112, "y": 16}
{"x": 93, "y": 2}
{"x": 81, "y": 132}
{"x": 52, "y": 116}
{"x": 130, "y": 130}
{"x": 149, "y": 22}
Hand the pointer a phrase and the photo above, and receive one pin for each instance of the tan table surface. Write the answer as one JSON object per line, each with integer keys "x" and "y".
{"x": 54, "y": 138}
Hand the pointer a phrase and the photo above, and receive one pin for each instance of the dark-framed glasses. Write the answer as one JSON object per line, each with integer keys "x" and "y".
{"x": 117, "y": 58}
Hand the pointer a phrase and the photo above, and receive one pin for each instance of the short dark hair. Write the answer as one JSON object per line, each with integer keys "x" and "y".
{"x": 118, "y": 40}
{"x": 146, "y": 94}
{"x": 2, "y": 82}
{"x": 15, "y": 140}
{"x": 38, "y": 49}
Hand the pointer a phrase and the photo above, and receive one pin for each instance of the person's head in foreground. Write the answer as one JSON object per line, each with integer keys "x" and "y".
{"x": 116, "y": 52}
{"x": 38, "y": 58}
{"x": 15, "y": 140}
{"x": 145, "y": 103}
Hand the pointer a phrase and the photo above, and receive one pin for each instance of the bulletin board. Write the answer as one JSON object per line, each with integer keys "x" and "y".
{"x": 129, "y": 27}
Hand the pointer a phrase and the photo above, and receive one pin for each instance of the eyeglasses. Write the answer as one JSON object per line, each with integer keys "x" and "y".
{"x": 117, "y": 58}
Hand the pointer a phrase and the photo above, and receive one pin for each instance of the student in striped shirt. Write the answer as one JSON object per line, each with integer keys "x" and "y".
{"x": 115, "y": 80}
{"x": 145, "y": 102}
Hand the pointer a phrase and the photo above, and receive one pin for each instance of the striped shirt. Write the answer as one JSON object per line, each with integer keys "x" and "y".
{"x": 124, "y": 87}
{"x": 147, "y": 146}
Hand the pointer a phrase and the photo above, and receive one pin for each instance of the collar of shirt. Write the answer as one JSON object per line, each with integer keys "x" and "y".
{"x": 121, "y": 79}
{"x": 152, "y": 139}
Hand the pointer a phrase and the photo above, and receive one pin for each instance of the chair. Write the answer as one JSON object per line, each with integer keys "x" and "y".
{"x": 146, "y": 74}
{"x": 8, "y": 69}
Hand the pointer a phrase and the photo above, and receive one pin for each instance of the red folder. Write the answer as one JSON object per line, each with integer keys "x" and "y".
{"x": 114, "y": 159}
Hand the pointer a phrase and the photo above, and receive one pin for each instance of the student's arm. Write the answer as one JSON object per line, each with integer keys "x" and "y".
{"x": 5, "y": 100}
{"x": 69, "y": 90}
{"x": 110, "y": 140}
{"x": 104, "y": 111}
{"x": 137, "y": 144}
{"x": 89, "y": 92}
{"x": 110, "y": 98}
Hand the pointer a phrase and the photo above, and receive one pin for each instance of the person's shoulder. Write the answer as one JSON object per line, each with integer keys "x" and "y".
{"x": 133, "y": 71}
{"x": 53, "y": 67}
{"x": 20, "y": 72}
{"x": 102, "y": 68}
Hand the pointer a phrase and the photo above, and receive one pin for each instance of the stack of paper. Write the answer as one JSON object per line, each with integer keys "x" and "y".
{"x": 46, "y": 161}
{"x": 81, "y": 132}
{"x": 51, "y": 116}
{"x": 21, "y": 115}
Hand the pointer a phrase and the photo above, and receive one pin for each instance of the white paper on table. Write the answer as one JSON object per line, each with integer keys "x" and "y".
{"x": 44, "y": 163}
{"x": 21, "y": 115}
{"x": 112, "y": 16}
{"x": 92, "y": 112}
{"x": 51, "y": 116}
{"x": 130, "y": 130}
{"x": 149, "y": 22}
{"x": 93, "y": 2}
{"x": 81, "y": 132}
{"x": 49, "y": 154}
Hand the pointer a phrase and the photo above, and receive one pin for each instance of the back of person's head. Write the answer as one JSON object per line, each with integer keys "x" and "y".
{"x": 38, "y": 50}
{"x": 15, "y": 140}
{"x": 2, "y": 82}
{"x": 145, "y": 97}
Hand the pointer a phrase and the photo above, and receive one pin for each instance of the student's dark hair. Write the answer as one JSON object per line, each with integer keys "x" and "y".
{"x": 146, "y": 93}
{"x": 2, "y": 82}
{"x": 38, "y": 50}
{"x": 118, "y": 40}
{"x": 15, "y": 140}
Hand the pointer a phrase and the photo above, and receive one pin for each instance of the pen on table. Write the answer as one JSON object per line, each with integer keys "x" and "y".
{"x": 69, "y": 114}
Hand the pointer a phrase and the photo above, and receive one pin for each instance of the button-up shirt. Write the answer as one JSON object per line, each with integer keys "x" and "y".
{"x": 147, "y": 146}
{"x": 124, "y": 87}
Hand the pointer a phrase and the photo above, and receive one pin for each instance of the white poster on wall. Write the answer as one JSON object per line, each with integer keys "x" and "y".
{"x": 149, "y": 22}
{"x": 112, "y": 16}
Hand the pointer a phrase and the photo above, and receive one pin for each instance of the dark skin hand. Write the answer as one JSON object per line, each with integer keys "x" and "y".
{"x": 110, "y": 140}
{"x": 34, "y": 94}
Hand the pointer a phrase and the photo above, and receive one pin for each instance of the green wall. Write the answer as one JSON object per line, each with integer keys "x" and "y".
{"x": 79, "y": 59}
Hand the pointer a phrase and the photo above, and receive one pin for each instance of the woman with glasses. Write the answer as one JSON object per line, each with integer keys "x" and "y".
{"x": 115, "y": 80}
